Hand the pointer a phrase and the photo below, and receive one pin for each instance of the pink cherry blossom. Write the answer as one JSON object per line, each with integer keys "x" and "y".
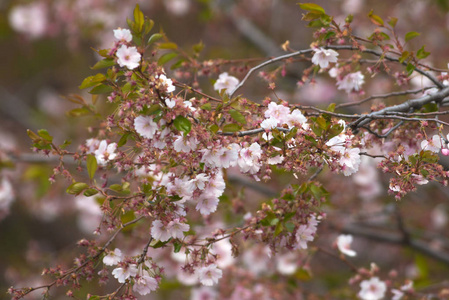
{"x": 145, "y": 284}
{"x": 352, "y": 81}
{"x": 372, "y": 289}
{"x": 145, "y": 126}
{"x": 177, "y": 229}
{"x": 160, "y": 231}
{"x": 128, "y": 57}
{"x": 277, "y": 111}
{"x": 209, "y": 275}
{"x": 303, "y": 235}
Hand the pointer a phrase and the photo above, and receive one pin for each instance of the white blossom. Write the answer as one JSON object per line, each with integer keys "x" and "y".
{"x": 352, "y": 81}
{"x": 123, "y": 35}
{"x": 145, "y": 126}
{"x": 105, "y": 152}
{"x": 184, "y": 144}
{"x": 113, "y": 257}
{"x": 6, "y": 194}
{"x": 323, "y": 57}
{"x": 29, "y": 19}
{"x": 303, "y": 235}
{"x": 125, "y": 272}
{"x": 168, "y": 83}
{"x": 277, "y": 111}
{"x": 128, "y": 57}
{"x": 226, "y": 82}
{"x": 344, "y": 244}
{"x": 433, "y": 144}
{"x": 177, "y": 229}
{"x": 159, "y": 231}
{"x": 372, "y": 289}
{"x": 269, "y": 123}
{"x": 145, "y": 284}
{"x": 209, "y": 275}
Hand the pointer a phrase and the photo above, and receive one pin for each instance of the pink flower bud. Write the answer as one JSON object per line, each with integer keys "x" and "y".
{"x": 445, "y": 151}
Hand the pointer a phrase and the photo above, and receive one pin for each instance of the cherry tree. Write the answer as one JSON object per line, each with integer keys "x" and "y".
{"x": 192, "y": 183}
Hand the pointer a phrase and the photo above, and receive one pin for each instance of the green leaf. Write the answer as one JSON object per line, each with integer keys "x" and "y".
{"x": 92, "y": 165}
{"x": 410, "y": 35}
{"x": 410, "y": 68}
{"x": 116, "y": 187}
{"x": 422, "y": 53}
{"x": 322, "y": 122}
{"x": 197, "y": 48}
{"x": 214, "y": 128}
{"x": 105, "y": 63}
{"x": 169, "y": 45}
{"x": 76, "y": 188}
{"x": 139, "y": 18}
{"x": 65, "y": 144}
{"x": 177, "y": 247}
{"x": 182, "y": 124}
{"x": 78, "y": 112}
{"x": 231, "y": 127}
{"x": 393, "y": 22}
{"x": 148, "y": 25}
{"x": 404, "y": 56}
{"x": 237, "y": 116}
{"x": 32, "y": 135}
{"x": 312, "y": 7}
{"x": 43, "y": 133}
{"x": 94, "y": 298}
{"x": 155, "y": 37}
{"x": 123, "y": 139}
{"x": 101, "y": 89}
{"x": 279, "y": 228}
{"x": 375, "y": 19}
{"x": 166, "y": 58}
{"x": 90, "y": 192}
{"x": 331, "y": 107}
{"x": 92, "y": 80}
{"x": 159, "y": 244}
{"x": 206, "y": 106}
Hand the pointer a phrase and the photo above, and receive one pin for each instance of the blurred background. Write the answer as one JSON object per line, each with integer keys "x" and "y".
{"x": 46, "y": 49}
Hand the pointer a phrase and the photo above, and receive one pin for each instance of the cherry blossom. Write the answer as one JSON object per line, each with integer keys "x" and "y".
{"x": 123, "y": 35}
{"x": 372, "y": 289}
{"x": 269, "y": 123}
{"x": 277, "y": 111}
{"x": 209, "y": 275}
{"x": 167, "y": 82}
{"x": 177, "y": 229}
{"x": 323, "y": 57}
{"x": 207, "y": 204}
{"x": 30, "y": 19}
{"x": 124, "y": 272}
{"x": 145, "y": 284}
{"x": 226, "y": 82}
{"x": 344, "y": 244}
{"x": 303, "y": 235}
{"x": 105, "y": 152}
{"x": 6, "y": 194}
{"x": 113, "y": 257}
{"x": 128, "y": 57}
{"x": 203, "y": 293}
{"x": 352, "y": 81}
{"x": 185, "y": 144}
{"x": 145, "y": 126}
{"x": 433, "y": 144}
{"x": 160, "y": 231}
